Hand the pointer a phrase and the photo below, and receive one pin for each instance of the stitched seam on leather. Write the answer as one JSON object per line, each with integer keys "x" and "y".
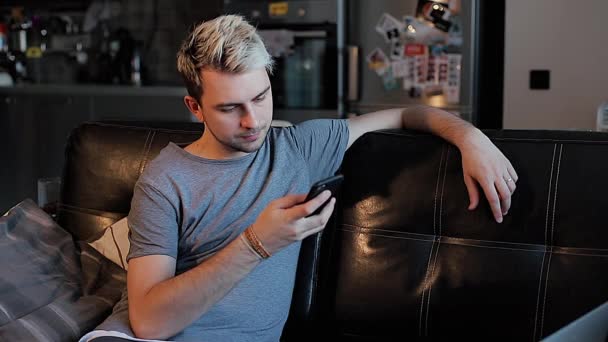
{"x": 424, "y": 284}
{"x": 426, "y": 275}
{"x": 546, "y": 237}
{"x": 544, "y": 307}
{"x": 144, "y": 161}
{"x": 437, "y": 192}
{"x": 147, "y": 156}
{"x": 315, "y": 277}
{"x": 582, "y": 254}
{"x": 559, "y": 163}
{"x": 556, "y": 141}
{"x": 90, "y": 212}
{"x": 117, "y": 246}
{"x": 428, "y": 297}
{"x": 141, "y": 163}
{"x": 445, "y": 172}
{"x": 469, "y": 239}
{"x": 142, "y": 128}
{"x": 540, "y": 282}
{"x": 542, "y": 320}
{"x": 446, "y": 240}
{"x": 549, "y": 193}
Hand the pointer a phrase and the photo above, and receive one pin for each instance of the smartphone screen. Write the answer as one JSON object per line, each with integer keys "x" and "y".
{"x": 332, "y": 184}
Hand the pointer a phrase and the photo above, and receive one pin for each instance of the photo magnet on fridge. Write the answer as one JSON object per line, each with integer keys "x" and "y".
{"x": 378, "y": 61}
{"x": 400, "y": 68}
{"x": 389, "y": 81}
{"x": 397, "y": 50}
{"x": 436, "y": 12}
{"x": 389, "y": 27}
{"x": 422, "y": 32}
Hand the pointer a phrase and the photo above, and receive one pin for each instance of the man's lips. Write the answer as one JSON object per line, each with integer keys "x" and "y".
{"x": 251, "y": 137}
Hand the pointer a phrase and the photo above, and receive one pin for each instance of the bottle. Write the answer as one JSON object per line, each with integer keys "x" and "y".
{"x": 17, "y": 30}
{"x": 602, "y": 117}
{"x": 136, "y": 67}
{"x": 3, "y": 38}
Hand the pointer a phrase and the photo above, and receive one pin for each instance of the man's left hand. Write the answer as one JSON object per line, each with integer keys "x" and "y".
{"x": 484, "y": 163}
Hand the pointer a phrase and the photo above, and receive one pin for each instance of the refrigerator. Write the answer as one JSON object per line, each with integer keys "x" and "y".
{"x": 322, "y": 51}
{"x": 444, "y": 53}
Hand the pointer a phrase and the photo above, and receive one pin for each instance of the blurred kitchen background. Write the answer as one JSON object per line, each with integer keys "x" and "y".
{"x": 514, "y": 64}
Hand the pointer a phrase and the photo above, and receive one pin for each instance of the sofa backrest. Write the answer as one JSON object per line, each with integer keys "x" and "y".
{"x": 403, "y": 256}
{"x": 103, "y": 160}
{"x": 407, "y": 259}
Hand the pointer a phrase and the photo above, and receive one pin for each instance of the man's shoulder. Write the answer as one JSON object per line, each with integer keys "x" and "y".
{"x": 164, "y": 166}
{"x": 308, "y": 127}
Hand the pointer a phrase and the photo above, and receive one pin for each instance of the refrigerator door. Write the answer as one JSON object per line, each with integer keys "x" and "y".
{"x": 365, "y": 90}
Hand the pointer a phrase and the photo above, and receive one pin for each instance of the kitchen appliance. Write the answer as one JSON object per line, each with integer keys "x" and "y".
{"x": 339, "y": 58}
{"x": 305, "y": 38}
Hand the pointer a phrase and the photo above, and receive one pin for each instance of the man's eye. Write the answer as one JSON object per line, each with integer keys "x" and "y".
{"x": 227, "y": 109}
{"x": 259, "y": 99}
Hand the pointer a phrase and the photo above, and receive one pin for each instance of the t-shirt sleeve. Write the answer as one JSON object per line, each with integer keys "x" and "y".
{"x": 322, "y": 143}
{"x": 153, "y": 224}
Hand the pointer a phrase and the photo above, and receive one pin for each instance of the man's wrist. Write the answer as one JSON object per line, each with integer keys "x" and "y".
{"x": 254, "y": 243}
{"x": 469, "y": 133}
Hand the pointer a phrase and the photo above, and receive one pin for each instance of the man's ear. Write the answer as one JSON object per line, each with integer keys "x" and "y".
{"x": 194, "y": 107}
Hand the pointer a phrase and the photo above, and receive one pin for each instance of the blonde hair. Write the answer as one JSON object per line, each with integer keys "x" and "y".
{"x": 227, "y": 43}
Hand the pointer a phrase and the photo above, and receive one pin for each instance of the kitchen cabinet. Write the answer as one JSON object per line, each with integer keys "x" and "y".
{"x": 35, "y": 122}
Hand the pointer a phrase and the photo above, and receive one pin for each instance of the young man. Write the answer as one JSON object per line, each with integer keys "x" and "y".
{"x": 216, "y": 226}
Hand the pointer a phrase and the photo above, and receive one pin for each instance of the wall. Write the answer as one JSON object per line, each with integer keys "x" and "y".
{"x": 567, "y": 37}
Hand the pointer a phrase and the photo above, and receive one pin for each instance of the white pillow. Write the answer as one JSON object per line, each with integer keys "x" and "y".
{"x": 114, "y": 243}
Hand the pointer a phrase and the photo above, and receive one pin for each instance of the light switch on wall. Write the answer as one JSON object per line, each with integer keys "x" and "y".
{"x": 540, "y": 79}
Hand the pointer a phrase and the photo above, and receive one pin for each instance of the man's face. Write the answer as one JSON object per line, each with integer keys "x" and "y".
{"x": 237, "y": 111}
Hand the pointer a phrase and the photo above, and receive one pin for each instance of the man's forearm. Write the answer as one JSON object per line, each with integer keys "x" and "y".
{"x": 439, "y": 122}
{"x": 433, "y": 120}
{"x": 173, "y": 304}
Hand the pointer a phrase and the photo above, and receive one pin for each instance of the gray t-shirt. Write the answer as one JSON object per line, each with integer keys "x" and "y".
{"x": 189, "y": 207}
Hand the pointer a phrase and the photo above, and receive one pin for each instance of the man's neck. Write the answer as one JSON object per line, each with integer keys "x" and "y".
{"x": 205, "y": 149}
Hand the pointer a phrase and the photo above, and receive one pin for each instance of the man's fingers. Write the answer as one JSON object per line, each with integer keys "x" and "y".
{"x": 505, "y": 195}
{"x": 289, "y": 201}
{"x": 317, "y": 222}
{"x": 511, "y": 184}
{"x": 512, "y": 173}
{"x": 307, "y": 208}
{"x": 471, "y": 185}
{"x": 493, "y": 200}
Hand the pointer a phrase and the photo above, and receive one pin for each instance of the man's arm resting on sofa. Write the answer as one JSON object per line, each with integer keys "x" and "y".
{"x": 482, "y": 162}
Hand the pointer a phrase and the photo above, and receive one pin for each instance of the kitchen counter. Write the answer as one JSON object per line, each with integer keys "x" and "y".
{"x": 93, "y": 89}
{"x": 35, "y": 121}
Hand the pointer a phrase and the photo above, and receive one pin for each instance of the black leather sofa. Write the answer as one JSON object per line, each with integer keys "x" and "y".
{"x": 403, "y": 258}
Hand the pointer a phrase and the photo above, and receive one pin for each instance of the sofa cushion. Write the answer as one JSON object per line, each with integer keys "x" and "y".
{"x": 114, "y": 243}
{"x": 51, "y": 289}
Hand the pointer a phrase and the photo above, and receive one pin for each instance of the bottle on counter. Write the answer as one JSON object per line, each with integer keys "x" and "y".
{"x": 18, "y": 28}
{"x": 3, "y": 38}
{"x": 136, "y": 67}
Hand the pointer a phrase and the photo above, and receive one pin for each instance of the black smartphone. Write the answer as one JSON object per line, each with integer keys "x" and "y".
{"x": 332, "y": 184}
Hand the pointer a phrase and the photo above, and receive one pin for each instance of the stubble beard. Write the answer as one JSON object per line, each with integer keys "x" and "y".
{"x": 246, "y": 147}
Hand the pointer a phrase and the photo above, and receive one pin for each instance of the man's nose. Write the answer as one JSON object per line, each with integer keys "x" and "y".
{"x": 249, "y": 118}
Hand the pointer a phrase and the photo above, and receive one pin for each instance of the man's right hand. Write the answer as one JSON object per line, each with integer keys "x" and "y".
{"x": 285, "y": 220}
